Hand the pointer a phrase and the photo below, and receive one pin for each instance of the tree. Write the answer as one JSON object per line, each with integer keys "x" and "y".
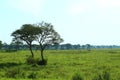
{"x": 26, "y": 33}
{"x": 0, "y": 44}
{"x": 46, "y": 35}
{"x": 88, "y": 46}
{"x": 69, "y": 46}
{"x": 16, "y": 42}
{"x": 5, "y": 46}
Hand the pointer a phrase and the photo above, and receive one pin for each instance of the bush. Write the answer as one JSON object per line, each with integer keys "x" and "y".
{"x": 77, "y": 76}
{"x": 104, "y": 76}
{"x": 30, "y": 60}
{"x": 42, "y": 62}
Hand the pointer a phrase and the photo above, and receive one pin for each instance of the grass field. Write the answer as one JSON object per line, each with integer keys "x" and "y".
{"x": 62, "y": 65}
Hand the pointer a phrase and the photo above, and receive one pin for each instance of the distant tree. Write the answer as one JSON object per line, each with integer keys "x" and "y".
{"x": 16, "y": 42}
{"x": 46, "y": 35}
{"x": 0, "y": 44}
{"x": 56, "y": 46}
{"x": 63, "y": 47}
{"x": 68, "y": 46}
{"x": 76, "y": 46}
{"x": 26, "y": 33}
{"x": 5, "y": 46}
{"x": 83, "y": 46}
{"x": 88, "y": 47}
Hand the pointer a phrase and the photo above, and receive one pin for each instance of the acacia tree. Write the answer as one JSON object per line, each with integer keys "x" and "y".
{"x": 46, "y": 35}
{"x": 26, "y": 33}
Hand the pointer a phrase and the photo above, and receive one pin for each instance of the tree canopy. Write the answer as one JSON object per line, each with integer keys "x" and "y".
{"x": 46, "y": 35}
{"x": 43, "y": 33}
{"x": 26, "y": 33}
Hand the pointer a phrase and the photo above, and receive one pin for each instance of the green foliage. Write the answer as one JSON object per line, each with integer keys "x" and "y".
{"x": 34, "y": 61}
{"x": 77, "y": 76}
{"x": 26, "y": 33}
{"x": 46, "y": 35}
{"x": 43, "y": 33}
{"x": 31, "y": 60}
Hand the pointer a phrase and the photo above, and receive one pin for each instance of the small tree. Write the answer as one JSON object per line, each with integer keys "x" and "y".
{"x": 46, "y": 35}
{"x": 27, "y": 34}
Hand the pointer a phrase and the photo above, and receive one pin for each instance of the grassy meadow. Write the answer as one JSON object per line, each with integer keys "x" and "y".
{"x": 61, "y": 65}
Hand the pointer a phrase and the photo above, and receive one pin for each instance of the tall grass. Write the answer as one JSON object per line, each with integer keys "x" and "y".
{"x": 61, "y": 64}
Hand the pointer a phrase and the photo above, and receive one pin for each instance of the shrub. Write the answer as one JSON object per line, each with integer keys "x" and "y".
{"x": 42, "y": 62}
{"x": 77, "y": 76}
{"x": 30, "y": 60}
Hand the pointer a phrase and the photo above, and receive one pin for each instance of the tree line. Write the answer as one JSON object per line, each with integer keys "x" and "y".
{"x": 68, "y": 46}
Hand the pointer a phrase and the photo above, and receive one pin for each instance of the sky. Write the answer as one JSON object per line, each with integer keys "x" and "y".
{"x": 95, "y": 22}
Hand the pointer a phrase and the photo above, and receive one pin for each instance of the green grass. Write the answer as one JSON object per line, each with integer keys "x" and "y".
{"x": 62, "y": 64}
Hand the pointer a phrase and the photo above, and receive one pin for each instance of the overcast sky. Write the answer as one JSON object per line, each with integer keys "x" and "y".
{"x": 96, "y": 22}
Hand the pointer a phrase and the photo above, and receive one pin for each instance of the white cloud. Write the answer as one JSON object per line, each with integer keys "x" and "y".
{"x": 30, "y": 6}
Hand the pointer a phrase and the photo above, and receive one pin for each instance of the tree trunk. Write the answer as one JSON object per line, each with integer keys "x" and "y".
{"x": 42, "y": 57}
{"x": 31, "y": 51}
